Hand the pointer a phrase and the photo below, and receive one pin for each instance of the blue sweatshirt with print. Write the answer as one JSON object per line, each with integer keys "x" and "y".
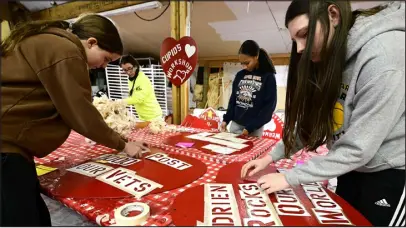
{"x": 253, "y": 99}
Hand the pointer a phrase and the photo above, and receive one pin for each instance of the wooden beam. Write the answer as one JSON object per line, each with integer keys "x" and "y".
{"x": 175, "y": 29}
{"x": 206, "y": 76}
{"x": 13, "y": 12}
{"x": 5, "y": 29}
{"x": 184, "y": 88}
{"x": 219, "y": 63}
{"x": 5, "y": 12}
{"x": 73, "y": 9}
{"x": 215, "y": 62}
{"x": 235, "y": 57}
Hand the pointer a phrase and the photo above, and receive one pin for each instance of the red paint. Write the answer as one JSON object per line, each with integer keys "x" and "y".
{"x": 173, "y": 140}
{"x": 188, "y": 206}
{"x": 255, "y": 177}
{"x": 133, "y": 213}
{"x": 196, "y": 122}
{"x": 74, "y": 185}
{"x": 178, "y": 59}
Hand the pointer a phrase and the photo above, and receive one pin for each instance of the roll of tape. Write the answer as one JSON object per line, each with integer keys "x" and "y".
{"x": 123, "y": 215}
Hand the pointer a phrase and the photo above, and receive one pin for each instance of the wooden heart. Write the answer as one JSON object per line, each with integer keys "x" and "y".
{"x": 178, "y": 59}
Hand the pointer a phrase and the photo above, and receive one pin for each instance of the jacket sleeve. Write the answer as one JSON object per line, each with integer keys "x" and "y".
{"x": 278, "y": 152}
{"x": 231, "y": 103}
{"x": 378, "y": 106}
{"x": 142, "y": 89}
{"x": 68, "y": 85}
{"x": 265, "y": 114}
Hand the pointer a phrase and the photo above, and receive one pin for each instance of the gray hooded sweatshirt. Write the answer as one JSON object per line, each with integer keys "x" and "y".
{"x": 370, "y": 111}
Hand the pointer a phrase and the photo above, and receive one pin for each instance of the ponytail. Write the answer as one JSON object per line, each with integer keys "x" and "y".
{"x": 265, "y": 63}
{"x": 251, "y": 48}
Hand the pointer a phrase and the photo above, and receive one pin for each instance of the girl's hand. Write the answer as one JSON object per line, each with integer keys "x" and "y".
{"x": 273, "y": 182}
{"x": 136, "y": 149}
{"x": 257, "y": 165}
{"x": 223, "y": 127}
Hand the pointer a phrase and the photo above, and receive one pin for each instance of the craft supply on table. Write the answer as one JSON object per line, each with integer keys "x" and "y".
{"x": 132, "y": 214}
{"x": 77, "y": 151}
{"x": 184, "y": 144}
{"x": 42, "y": 169}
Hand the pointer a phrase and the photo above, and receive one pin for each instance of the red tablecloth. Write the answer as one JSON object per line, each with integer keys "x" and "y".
{"x": 75, "y": 150}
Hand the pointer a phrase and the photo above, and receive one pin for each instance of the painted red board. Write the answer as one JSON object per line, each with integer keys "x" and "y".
{"x": 275, "y": 129}
{"x": 62, "y": 183}
{"x": 256, "y": 176}
{"x": 178, "y": 59}
{"x": 185, "y": 213}
{"x": 173, "y": 140}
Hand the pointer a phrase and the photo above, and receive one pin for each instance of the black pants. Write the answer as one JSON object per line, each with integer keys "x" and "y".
{"x": 379, "y": 196}
{"x": 21, "y": 202}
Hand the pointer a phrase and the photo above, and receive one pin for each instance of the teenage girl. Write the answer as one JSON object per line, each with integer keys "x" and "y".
{"x": 253, "y": 97}
{"x": 346, "y": 87}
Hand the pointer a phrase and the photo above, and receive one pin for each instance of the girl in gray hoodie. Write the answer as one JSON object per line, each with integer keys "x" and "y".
{"x": 346, "y": 88}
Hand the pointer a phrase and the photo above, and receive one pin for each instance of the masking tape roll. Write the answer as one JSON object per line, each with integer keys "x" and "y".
{"x": 123, "y": 218}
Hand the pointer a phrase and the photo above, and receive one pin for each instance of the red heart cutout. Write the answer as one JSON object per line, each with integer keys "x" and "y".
{"x": 178, "y": 59}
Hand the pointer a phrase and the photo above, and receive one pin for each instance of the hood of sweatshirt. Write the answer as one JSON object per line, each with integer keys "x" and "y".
{"x": 392, "y": 18}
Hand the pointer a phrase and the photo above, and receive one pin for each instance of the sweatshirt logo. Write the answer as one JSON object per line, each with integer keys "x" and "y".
{"x": 338, "y": 116}
{"x": 338, "y": 113}
{"x": 246, "y": 91}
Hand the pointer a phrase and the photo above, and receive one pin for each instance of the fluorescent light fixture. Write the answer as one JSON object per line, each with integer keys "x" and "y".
{"x": 129, "y": 9}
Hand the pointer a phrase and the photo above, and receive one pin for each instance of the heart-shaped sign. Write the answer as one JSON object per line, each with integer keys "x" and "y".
{"x": 178, "y": 59}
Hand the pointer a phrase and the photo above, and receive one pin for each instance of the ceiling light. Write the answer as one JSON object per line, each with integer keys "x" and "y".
{"x": 129, "y": 9}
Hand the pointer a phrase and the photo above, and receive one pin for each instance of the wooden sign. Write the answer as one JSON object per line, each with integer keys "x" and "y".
{"x": 116, "y": 159}
{"x": 90, "y": 169}
{"x": 166, "y": 160}
{"x": 210, "y": 116}
{"x": 178, "y": 59}
{"x": 213, "y": 143}
{"x": 260, "y": 211}
{"x": 128, "y": 181}
{"x": 274, "y": 128}
{"x": 220, "y": 206}
{"x": 114, "y": 178}
{"x": 306, "y": 205}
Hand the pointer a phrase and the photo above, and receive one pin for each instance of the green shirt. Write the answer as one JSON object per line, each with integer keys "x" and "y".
{"x": 143, "y": 98}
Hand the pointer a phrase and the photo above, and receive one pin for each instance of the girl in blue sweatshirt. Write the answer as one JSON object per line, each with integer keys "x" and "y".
{"x": 253, "y": 99}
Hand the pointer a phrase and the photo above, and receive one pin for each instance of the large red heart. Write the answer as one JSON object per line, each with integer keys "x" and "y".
{"x": 178, "y": 59}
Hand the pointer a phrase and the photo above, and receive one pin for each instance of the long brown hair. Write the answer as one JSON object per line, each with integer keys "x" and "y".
{"x": 313, "y": 88}
{"x": 86, "y": 26}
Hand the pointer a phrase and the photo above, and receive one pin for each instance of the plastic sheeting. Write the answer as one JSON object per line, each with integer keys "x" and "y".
{"x": 64, "y": 216}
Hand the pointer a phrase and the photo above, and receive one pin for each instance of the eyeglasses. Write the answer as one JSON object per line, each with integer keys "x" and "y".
{"x": 128, "y": 70}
